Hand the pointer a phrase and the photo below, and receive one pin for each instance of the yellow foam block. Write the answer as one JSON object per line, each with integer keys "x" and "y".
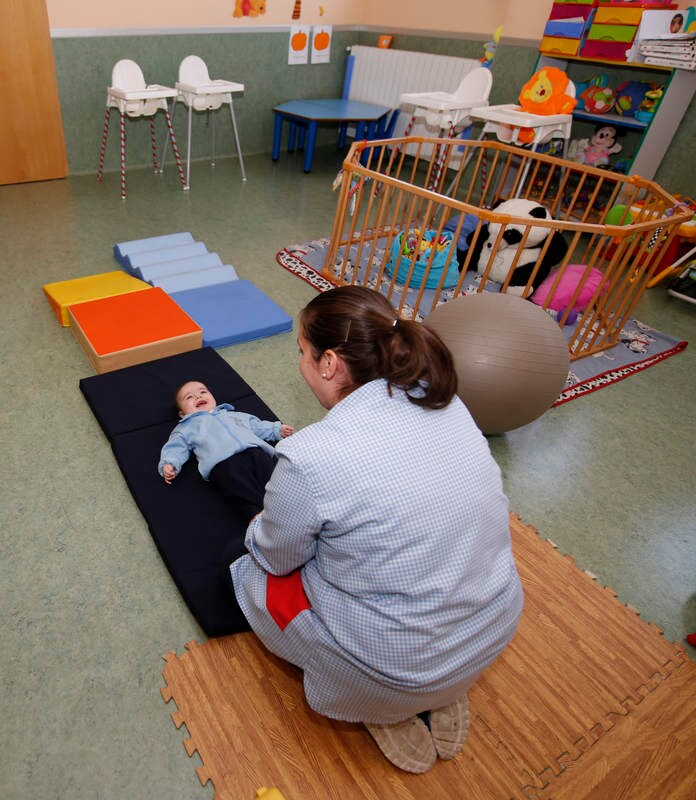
{"x": 63, "y": 294}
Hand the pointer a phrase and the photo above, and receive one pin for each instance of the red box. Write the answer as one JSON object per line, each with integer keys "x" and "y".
{"x": 599, "y": 48}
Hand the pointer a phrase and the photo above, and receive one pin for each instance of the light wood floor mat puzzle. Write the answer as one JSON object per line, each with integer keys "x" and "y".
{"x": 588, "y": 701}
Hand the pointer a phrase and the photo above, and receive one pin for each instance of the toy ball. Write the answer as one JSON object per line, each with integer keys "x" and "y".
{"x": 599, "y": 99}
{"x": 618, "y": 215}
{"x": 510, "y": 356}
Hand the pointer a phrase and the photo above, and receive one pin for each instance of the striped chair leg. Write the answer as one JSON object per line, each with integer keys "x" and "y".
{"x": 123, "y": 156}
{"x": 153, "y": 139}
{"x": 175, "y": 149}
{"x": 102, "y": 149}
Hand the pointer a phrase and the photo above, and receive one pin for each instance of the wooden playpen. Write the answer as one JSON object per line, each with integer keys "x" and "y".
{"x": 421, "y": 184}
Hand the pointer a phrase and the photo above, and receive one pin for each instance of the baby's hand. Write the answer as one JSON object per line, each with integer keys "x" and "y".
{"x": 286, "y": 430}
{"x": 168, "y": 473}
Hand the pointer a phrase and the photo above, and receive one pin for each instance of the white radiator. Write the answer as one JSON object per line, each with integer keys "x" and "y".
{"x": 381, "y": 76}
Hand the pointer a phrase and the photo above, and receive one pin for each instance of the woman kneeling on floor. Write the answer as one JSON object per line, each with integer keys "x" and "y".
{"x": 381, "y": 562}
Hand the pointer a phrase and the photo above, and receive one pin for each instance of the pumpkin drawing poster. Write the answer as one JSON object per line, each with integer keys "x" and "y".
{"x": 298, "y": 48}
{"x": 321, "y": 44}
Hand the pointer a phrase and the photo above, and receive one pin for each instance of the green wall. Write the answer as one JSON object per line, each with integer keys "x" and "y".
{"x": 259, "y": 60}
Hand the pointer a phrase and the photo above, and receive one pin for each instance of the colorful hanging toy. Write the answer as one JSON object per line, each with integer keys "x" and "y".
{"x": 490, "y": 47}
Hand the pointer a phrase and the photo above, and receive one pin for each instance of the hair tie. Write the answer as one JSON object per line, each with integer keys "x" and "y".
{"x": 394, "y": 322}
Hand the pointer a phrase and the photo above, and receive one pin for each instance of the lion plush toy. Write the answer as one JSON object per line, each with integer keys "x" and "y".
{"x": 545, "y": 93}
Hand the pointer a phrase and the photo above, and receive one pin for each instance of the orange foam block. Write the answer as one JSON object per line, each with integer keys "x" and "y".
{"x": 129, "y": 329}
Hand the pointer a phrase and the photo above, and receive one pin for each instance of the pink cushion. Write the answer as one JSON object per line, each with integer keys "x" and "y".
{"x": 566, "y": 287}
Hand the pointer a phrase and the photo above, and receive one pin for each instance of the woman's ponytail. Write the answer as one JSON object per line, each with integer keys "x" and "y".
{"x": 362, "y": 327}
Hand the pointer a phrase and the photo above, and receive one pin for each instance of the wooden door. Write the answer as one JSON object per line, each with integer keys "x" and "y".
{"x": 32, "y": 144}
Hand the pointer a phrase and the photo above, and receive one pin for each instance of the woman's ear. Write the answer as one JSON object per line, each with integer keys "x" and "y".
{"x": 329, "y": 363}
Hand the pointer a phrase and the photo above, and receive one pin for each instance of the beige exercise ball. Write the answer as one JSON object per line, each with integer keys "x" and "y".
{"x": 510, "y": 356}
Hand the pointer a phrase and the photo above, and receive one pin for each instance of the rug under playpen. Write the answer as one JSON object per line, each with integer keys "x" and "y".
{"x": 588, "y": 701}
{"x": 640, "y": 346}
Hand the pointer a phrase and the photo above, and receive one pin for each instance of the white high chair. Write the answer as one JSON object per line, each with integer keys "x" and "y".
{"x": 448, "y": 111}
{"x": 505, "y": 121}
{"x": 198, "y": 92}
{"x": 132, "y": 97}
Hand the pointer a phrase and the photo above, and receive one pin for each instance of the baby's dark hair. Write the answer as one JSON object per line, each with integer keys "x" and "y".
{"x": 175, "y": 398}
{"x": 363, "y": 328}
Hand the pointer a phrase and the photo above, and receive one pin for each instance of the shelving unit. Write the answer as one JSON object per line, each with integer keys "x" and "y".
{"x": 612, "y": 119}
{"x": 656, "y": 136}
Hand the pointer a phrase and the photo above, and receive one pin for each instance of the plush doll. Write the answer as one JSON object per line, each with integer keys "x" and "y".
{"x": 509, "y": 246}
{"x": 595, "y": 152}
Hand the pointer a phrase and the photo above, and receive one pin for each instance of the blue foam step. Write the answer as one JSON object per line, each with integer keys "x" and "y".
{"x": 140, "y": 260}
{"x": 233, "y": 312}
{"x": 181, "y": 281}
{"x": 149, "y": 272}
{"x": 123, "y": 249}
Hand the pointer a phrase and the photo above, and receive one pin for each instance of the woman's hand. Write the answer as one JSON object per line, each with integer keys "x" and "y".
{"x": 286, "y": 430}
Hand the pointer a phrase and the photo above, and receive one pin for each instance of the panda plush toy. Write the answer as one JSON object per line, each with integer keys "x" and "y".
{"x": 508, "y": 247}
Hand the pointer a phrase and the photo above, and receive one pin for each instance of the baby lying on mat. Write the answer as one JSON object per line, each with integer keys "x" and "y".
{"x": 231, "y": 447}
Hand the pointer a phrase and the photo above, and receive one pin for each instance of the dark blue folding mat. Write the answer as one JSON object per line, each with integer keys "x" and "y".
{"x": 195, "y": 531}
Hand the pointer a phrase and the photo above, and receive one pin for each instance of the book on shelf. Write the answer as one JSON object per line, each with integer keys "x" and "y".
{"x": 670, "y": 27}
{"x": 650, "y": 48}
{"x": 675, "y": 63}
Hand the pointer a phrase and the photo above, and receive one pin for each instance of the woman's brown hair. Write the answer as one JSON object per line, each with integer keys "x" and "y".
{"x": 362, "y": 327}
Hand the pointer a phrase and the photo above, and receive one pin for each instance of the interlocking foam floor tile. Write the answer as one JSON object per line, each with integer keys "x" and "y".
{"x": 588, "y": 702}
{"x": 233, "y": 312}
{"x": 133, "y": 328}
{"x": 63, "y": 294}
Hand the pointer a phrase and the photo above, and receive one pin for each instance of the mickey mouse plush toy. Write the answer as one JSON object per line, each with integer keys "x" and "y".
{"x": 596, "y": 151}
{"x": 509, "y": 245}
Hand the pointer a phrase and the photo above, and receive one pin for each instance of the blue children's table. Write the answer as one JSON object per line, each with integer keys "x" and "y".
{"x": 305, "y": 116}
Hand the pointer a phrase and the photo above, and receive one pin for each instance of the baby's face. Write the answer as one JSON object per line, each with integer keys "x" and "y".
{"x": 194, "y": 396}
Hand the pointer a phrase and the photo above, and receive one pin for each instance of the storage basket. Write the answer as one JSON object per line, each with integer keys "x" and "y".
{"x": 433, "y": 251}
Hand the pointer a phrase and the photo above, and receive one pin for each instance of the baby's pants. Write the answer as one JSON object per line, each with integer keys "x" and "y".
{"x": 242, "y": 479}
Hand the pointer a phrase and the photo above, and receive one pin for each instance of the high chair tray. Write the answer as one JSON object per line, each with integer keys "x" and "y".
{"x": 213, "y": 87}
{"x": 152, "y": 92}
{"x": 512, "y": 114}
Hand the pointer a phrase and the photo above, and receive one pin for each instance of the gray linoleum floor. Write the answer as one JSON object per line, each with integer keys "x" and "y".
{"x": 88, "y": 606}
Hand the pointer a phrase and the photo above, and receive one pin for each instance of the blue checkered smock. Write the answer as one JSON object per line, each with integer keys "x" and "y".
{"x": 397, "y": 518}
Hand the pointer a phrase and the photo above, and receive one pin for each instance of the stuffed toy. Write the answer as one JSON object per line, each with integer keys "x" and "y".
{"x": 649, "y": 104}
{"x": 545, "y": 94}
{"x": 509, "y": 246}
{"x": 629, "y": 96}
{"x": 595, "y": 152}
{"x": 599, "y": 81}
